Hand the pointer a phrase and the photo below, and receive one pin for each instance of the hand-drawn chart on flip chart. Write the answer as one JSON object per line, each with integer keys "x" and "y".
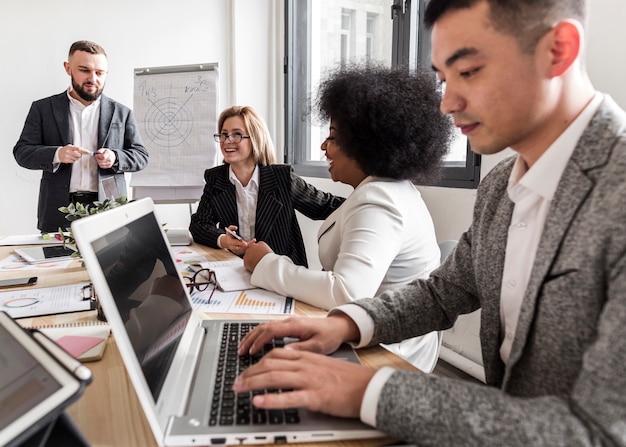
{"x": 176, "y": 110}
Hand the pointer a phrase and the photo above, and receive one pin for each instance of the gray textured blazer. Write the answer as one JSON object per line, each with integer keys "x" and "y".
{"x": 48, "y": 126}
{"x": 565, "y": 381}
{"x": 281, "y": 192}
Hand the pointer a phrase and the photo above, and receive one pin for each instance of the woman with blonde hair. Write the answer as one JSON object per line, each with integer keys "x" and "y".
{"x": 252, "y": 195}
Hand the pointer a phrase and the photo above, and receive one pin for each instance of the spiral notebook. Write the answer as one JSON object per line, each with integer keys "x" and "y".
{"x": 85, "y": 341}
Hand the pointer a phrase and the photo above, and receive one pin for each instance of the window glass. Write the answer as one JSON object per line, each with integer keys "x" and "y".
{"x": 322, "y": 34}
{"x": 344, "y": 31}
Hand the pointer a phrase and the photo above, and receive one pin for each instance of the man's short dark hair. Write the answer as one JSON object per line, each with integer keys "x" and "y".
{"x": 527, "y": 20}
{"x": 86, "y": 46}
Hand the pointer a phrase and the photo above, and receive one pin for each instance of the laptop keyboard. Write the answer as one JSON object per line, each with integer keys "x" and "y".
{"x": 230, "y": 408}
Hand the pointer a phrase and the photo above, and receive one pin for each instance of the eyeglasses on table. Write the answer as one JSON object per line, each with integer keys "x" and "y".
{"x": 201, "y": 280}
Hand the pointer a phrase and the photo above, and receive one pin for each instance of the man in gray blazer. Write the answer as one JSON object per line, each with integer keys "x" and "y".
{"x": 82, "y": 140}
{"x": 544, "y": 258}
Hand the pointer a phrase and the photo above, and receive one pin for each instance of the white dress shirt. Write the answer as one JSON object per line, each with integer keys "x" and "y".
{"x": 532, "y": 190}
{"x": 535, "y": 193}
{"x": 246, "y": 203}
{"x": 84, "y": 127}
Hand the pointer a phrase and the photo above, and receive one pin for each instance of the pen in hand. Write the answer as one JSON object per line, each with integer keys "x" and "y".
{"x": 233, "y": 234}
{"x": 239, "y": 245}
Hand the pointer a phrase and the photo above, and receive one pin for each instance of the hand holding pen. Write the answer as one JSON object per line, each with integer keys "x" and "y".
{"x": 70, "y": 154}
{"x": 235, "y": 243}
{"x": 104, "y": 157}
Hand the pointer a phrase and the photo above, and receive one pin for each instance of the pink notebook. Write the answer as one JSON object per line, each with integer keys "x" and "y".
{"x": 85, "y": 342}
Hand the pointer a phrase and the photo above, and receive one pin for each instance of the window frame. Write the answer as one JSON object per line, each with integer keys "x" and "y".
{"x": 411, "y": 45}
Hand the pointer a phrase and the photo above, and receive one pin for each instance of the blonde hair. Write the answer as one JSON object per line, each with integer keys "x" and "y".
{"x": 262, "y": 146}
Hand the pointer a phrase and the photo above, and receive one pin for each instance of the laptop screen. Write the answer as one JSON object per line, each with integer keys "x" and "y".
{"x": 148, "y": 293}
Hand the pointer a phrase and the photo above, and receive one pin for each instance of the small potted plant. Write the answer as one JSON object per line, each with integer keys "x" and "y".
{"x": 75, "y": 211}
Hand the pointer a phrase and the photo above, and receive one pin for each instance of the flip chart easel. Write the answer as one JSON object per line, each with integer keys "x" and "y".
{"x": 176, "y": 109}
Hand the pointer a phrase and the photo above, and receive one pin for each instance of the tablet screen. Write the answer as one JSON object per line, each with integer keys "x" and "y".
{"x": 55, "y": 251}
{"x": 32, "y": 384}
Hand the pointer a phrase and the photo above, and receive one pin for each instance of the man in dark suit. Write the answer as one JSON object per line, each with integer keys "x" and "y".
{"x": 544, "y": 258}
{"x": 82, "y": 140}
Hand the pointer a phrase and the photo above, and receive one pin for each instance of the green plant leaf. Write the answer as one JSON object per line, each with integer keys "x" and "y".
{"x": 76, "y": 211}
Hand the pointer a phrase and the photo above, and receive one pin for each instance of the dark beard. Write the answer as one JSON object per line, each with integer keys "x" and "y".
{"x": 84, "y": 94}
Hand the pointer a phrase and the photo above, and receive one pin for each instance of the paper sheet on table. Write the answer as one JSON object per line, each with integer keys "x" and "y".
{"x": 184, "y": 256}
{"x": 231, "y": 275}
{"x": 33, "y": 302}
{"x": 253, "y": 301}
{"x": 14, "y": 262}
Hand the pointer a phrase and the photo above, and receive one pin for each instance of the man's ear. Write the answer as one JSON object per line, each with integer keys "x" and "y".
{"x": 565, "y": 46}
{"x": 66, "y": 65}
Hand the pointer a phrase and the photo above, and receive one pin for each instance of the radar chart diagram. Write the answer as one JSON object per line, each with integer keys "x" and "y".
{"x": 168, "y": 122}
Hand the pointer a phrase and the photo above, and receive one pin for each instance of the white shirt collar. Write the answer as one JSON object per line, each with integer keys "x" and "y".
{"x": 544, "y": 176}
{"x": 254, "y": 180}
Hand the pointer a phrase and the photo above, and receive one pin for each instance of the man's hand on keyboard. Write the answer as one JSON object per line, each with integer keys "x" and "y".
{"x": 307, "y": 380}
{"x": 321, "y": 335}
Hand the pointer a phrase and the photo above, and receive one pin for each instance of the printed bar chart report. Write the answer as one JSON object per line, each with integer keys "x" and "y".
{"x": 252, "y": 301}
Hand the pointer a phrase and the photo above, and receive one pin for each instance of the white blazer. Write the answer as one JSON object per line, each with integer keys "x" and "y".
{"x": 382, "y": 237}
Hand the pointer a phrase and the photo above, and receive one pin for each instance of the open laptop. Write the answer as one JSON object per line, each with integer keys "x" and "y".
{"x": 172, "y": 356}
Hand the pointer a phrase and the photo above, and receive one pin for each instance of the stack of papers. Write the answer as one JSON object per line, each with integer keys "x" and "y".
{"x": 231, "y": 275}
{"x": 34, "y": 302}
{"x": 236, "y": 294}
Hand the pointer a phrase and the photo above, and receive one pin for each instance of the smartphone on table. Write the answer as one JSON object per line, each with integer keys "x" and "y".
{"x": 17, "y": 282}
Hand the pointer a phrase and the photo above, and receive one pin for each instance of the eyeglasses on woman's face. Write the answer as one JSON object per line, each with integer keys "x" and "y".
{"x": 232, "y": 138}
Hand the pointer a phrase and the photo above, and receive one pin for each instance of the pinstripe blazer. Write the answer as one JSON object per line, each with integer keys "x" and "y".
{"x": 281, "y": 192}
{"x": 48, "y": 127}
{"x": 564, "y": 382}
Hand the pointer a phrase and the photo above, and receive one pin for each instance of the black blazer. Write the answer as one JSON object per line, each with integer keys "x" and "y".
{"x": 48, "y": 127}
{"x": 281, "y": 192}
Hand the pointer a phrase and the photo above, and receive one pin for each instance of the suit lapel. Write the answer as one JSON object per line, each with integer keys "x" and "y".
{"x": 61, "y": 113}
{"x": 224, "y": 198}
{"x": 489, "y": 251}
{"x": 592, "y": 151}
{"x": 267, "y": 204}
{"x": 104, "y": 123}
{"x": 326, "y": 226}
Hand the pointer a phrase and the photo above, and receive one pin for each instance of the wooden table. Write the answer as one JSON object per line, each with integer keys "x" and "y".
{"x": 109, "y": 413}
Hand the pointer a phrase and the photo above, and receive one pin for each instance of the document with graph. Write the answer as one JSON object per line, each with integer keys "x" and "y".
{"x": 251, "y": 301}
{"x": 231, "y": 275}
{"x": 34, "y": 302}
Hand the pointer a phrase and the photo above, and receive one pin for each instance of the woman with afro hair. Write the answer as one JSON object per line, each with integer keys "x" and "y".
{"x": 385, "y": 134}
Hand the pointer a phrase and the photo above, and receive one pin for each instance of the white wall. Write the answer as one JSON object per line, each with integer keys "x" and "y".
{"x": 36, "y": 35}
{"x": 243, "y": 36}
